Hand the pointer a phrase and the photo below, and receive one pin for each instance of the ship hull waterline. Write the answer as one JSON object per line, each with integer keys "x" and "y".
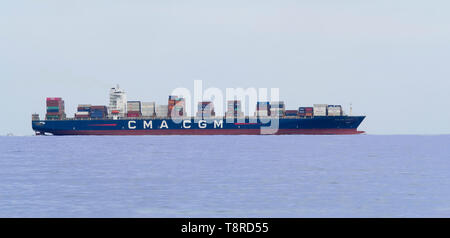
{"x": 211, "y": 132}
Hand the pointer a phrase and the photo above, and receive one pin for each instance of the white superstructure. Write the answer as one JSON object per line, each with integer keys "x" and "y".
{"x": 117, "y": 101}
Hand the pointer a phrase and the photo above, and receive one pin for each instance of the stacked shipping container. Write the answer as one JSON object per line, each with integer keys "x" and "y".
{"x": 171, "y": 104}
{"x": 84, "y": 107}
{"x": 55, "y": 109}
{"x": 320, "y": 109}
{"x": 180, "y": 107}
{"x": 148, "y": 109}
{"x": 98, "y": 112}
{"x": 277, "y": 109}
{"x": 176, "y": 106}
{"x": 35, "y": 117}
{"x": 234, "y": 108}
{"x": 134, "y": 109}
{"x": 305, "y": 111}
{"x": 162, "y": 110}
{"x": 205, "y": 109}
{"x": 83, "y": 111}
{"x": 334, "y": 110}
{"x": 262, "y": 109}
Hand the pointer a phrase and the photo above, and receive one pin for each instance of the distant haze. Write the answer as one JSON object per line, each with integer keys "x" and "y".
{"x": 390, "y": 59}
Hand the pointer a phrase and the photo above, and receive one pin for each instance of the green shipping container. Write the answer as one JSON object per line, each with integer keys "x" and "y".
{"x": 52, "y": 108}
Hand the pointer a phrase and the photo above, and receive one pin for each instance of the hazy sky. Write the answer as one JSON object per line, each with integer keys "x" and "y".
{"x": 390, "y": 59}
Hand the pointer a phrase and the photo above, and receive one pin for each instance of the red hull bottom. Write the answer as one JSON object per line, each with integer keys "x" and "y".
{"x": 212, "y": 132}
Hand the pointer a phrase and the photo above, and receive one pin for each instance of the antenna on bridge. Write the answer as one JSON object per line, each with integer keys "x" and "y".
{"x": 350, "y": 109}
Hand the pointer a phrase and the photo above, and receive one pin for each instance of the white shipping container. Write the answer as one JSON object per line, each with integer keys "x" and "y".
{"x": 82, "y": 113}
{"x": 161, "y": 107}
{"x": 133, "y": 107}
{"x": 334, "y": 111}
{"x": 160, "y": 114}
{"x": 320, "y": 111}
{"x": 148, "y": 109}
{"x": 320, "y": 105}
{"x": 133, "y": 104}
{"x": 148, "y": 114}
{"x": 84, "y": 105}
{"x": 337, "y": 109}
{"x": 334, "y": 114}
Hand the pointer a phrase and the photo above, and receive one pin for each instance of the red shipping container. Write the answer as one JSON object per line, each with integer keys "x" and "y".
{"x": 133, "y": 114}
{"x": 54, "y": 99}
{"x": 101, "y": 108}
{"x": 55, "y": 103}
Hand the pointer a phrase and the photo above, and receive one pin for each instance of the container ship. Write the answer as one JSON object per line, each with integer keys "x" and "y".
{"x": 124, "y": 117}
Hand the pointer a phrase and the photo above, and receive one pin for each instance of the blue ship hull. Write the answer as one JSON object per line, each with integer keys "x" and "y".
{"x": 193, "y": 126}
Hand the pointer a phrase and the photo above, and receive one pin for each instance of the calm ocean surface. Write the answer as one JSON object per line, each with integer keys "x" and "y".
{"x": 225, "y": 176}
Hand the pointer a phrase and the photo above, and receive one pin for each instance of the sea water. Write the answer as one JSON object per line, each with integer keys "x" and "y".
{"x": 225, "y": 176}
